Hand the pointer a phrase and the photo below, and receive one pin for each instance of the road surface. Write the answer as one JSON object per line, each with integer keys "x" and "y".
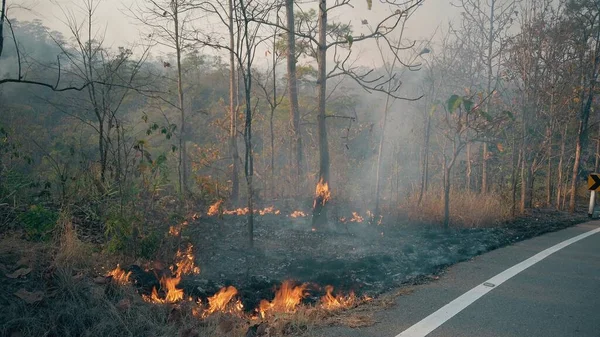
{"x": 555, "y": 295}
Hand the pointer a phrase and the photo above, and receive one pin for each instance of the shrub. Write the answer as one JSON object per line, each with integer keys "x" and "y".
{"x": 39, "y": 222}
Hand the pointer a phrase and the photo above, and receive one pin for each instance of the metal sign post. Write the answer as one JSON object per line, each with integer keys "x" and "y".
{"x": 593, "y": 186}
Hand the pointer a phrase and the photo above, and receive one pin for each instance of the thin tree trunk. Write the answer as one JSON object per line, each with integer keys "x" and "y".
{"x": 293, "y": 93}
{"x": 249, "y": 157}
{"x": 425, "y": 166}
{"x": 523, "y": 183}
{"x": 560, "y": 187}
{"x": 2, "y": 14}
{"x": 484, "y": 173}
{"x": 597, "y": 161}
{"x": 549, "y": 168}
{"x": 379, "y": 159}
{"x": 516, "y": 158}
{"x": 320, "y": 204}
{"x": 182, "y": 137}
{"x": 468, "y": 176}
{"x": 233, "y": 150}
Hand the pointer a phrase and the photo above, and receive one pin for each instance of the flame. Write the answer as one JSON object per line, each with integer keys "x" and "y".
{"x": 215, "y": 209}
{"x": 239, "y": 211}
{"x": 356, "y": 217}
{"x": 297, "y": 214}
{"x": 322, "y": 192}
{"x": 119, "y": 275}
{"x": 185, "y": 262}
{"x": 331, "y": 302}
{"x": 287, "y": 298}
{"x": 268, "y": 210}
{"x": 174, "y": 230}
{"x": 169, "y": 285}
{"x": 222, "y": 302}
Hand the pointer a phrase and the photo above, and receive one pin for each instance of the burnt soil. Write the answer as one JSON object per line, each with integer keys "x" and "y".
{"x": 366, "y": 258}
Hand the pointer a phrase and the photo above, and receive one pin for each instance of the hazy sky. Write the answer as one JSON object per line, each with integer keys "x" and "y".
{"x": 122, "y": 30}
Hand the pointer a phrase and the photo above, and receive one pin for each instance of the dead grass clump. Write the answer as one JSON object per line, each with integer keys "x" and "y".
{"x": 71, "y": 252}
{"x": 468, "y": 209}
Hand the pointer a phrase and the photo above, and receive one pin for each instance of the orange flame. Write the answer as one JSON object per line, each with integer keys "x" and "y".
{"x": 119, "y": 275}
{"x": 268, "y": 210}
{"x": 174, "y": 230}
{"x": 239, "y": 211}
{"x": 185, "y": 262}
{"x": 287, "y": 298}
{"x": 297, "y": 214}
{"x": 169, "y": 285}
{"x": 215, "y": 209}
{"x": 356, "y": 217}
{"x": 222, "y": 302}
{"x": 322, "y": 192}
{"x": 331, "y": 302}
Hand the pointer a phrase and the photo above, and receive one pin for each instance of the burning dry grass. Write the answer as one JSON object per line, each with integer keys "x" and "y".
{"x": 467, "y": 208}
{"x": 287, "y": 298}
{"x": 119, "y": 275}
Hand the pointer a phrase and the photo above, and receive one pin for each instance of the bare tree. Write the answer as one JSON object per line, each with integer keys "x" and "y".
{"x": 491, "y": 19}
{"x": 170, "y": 24}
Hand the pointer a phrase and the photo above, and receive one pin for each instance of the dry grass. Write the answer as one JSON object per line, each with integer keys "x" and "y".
{"x": 468, "y": 209}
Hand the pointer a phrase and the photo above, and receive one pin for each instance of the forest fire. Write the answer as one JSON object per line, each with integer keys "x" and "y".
{"x": 169, "y": 286}
{"x": 323, "y": 194}
{"x": 222, "y": 302}
{"x": 355, "y": 218}
{"x": 287, "y": 298}
{"x": 185, "y": 262}
{"x": 216, "y": 208}
{"x": 119, "y": 275}
{"x": 297, "y": 214}
{"x": 340, "y": 301}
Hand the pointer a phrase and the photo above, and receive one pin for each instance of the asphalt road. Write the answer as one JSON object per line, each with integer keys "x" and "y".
{"x": 558, "y": 296}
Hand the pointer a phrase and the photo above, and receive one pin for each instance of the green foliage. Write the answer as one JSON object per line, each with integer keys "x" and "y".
{"x": 454, "y": 102}
{"x": 369, "y": 4}
{"x": 149, "y": 244}
{"x": 39, "y": 222}
{"x": 119, "y": 231}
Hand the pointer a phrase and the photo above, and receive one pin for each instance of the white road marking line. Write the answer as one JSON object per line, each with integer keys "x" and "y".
{"x": 433, "y": 321}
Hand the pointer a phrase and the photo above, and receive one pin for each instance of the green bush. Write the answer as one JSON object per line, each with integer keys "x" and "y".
{"x": 119, "y": 232}
{"x": 39, "y": 222}
{"x": 149, "y": 245}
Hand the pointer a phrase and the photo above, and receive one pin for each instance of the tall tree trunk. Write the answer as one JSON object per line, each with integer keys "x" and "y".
{"x": 484, "y": 173}
{"x": 249, "y": 157}
{"x": 597, "y": 161}
{"x": 524, "y": 184}
{"x": 233, "y": 150}
{"x": 320, "y": 203}
{"x": 2, "y": 14}
{"x": 549, "y": 177}
{"x": 560, "y": 187}
{"x": 293, "y": 93}
{"x": 584, "y": 116}
{"x": 379, "y": 158}
{"x": 182, "y": 137}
